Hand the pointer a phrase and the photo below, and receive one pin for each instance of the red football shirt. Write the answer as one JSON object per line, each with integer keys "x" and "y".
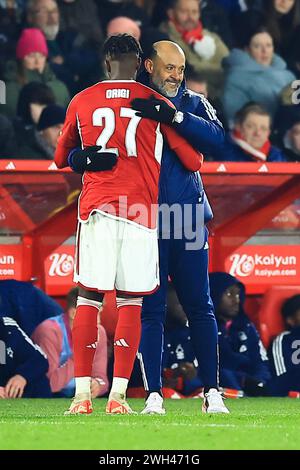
{"x": 102, "y": 115}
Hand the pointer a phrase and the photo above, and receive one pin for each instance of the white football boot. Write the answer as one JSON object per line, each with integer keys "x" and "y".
{"x": 154, "y": 405}
{"x": 213, "y": 402}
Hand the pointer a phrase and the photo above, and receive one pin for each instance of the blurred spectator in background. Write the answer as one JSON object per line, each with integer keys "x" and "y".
{"x": 55, "y": 338}
{"x": 31, "y": 66}
{"x": 23, "y": 365}
{"x": 238, "y": 6}
{"x": 81, "y": 16}
{"x": 80, "y": 24}
{"x": 33, "y": 98}
{"x": 203, "y": 49}
{"x": 249, "y": 139}
{"x": 215, "y": 19}
{"x": 109, "y": 9}
{"x": 288, "y": 121}
{"x": 282, "y": 18}
{"x": 284, "y": 352}
{"x": 49, "y": 126}
{"x": 243, "y": 359}
{"x": 74, "y": 58}
{"x": 180, "y": 366}
{"x": 26, "y": 304}
{"x": 121, "y": 25}
{"x": 8, "y": 145}
{"x": 196, "y": 82}
{"x": 254, "y": 74}
{"x": 10, "y": 26}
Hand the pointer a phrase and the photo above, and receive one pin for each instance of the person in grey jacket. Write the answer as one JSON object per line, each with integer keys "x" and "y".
{"x": 254, "y": 74}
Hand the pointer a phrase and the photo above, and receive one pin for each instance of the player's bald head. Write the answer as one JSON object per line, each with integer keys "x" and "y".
{"x": 166, "y": 66}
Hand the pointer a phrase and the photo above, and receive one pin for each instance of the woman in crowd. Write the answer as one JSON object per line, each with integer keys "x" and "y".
{"x": 255, "y": 73}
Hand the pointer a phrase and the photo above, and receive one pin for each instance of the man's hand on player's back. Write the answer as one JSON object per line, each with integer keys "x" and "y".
{"x": 155, "y": 109}
{"x": 91, "y": 159}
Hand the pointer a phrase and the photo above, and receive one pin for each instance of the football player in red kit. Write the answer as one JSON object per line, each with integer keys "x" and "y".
{"x": 116, "y": 245}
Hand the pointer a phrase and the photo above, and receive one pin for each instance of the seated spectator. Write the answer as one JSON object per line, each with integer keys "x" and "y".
{"x": 26, "y": 304}
{"x": 243, "y": 359}
{"x": 203, "y": 49}
{"x": 8, "y": 146}
{"x": 284, "y": 352}
{"x": 11, "y": 13}
{"x": 238, "y": 6}
{"x": 249, "y": 139}
{"x": 40, "y": 141}
{"x": 33, "y": 98}
{"x": 81, "y": 16}
{"x": 109, "y": 9}
{"x": 31, "y": 66}
{"x": 23, "y": 365}
{"x": 196, "y": 82}
{"x": 121, "y": 25}
{"x": 49, "y": 126}
{"x": 215, "y": 18}
{"x": 180, "y": 367}
{"x": 288, "y": 129}
{"x": 74, "y": 59}
{"x": 254, "y": 74}
{"x": 282, "y": 18}
{"x": 55, "y": 338}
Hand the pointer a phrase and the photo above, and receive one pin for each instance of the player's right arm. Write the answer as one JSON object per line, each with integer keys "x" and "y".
{"x": 189, "y": 157}
{"x": 69, "y": 136}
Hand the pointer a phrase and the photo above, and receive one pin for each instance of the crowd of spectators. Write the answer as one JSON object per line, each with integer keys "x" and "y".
{"x": 243, "y": 55}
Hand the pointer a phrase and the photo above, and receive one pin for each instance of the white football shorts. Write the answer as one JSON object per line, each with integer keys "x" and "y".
{"x": 113, "y": 254}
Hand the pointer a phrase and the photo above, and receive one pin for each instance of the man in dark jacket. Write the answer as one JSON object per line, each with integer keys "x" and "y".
{"x": 23, "y": 365}
{"x": 243, "y": 359}
{"x": 26, "y": 304}
{"x": 284, "y": 352}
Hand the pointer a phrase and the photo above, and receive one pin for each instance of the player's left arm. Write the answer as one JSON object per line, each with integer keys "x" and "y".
{"x": 69, "y": 136}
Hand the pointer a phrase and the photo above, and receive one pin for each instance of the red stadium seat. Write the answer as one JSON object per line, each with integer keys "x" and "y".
{"x": 271, "y": 323}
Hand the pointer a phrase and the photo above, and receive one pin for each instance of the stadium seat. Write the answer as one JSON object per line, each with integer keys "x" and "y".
{"x": 270, "y": 321}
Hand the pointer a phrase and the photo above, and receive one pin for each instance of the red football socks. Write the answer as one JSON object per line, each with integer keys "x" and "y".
{"x": 127, "y": 336}
{"x": 85, "y": 336}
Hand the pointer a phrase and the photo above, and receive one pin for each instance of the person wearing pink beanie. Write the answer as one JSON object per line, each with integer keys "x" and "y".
{"x": 32, "y": 49}
{"x": 31, "y": 40}
{"x": 31, "y": 66}
{"x": 122, "y": 24}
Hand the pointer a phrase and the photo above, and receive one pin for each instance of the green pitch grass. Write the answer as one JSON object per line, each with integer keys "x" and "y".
{"x": 253, "y": 424}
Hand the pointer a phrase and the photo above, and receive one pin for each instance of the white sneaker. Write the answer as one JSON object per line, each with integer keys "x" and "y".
{"x": 213, "y": 402}
{"x": 154, "y": 405}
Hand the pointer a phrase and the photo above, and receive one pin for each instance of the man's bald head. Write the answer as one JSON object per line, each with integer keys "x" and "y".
{"x": 166, "y": 67}
{"x": 164, "y": 48}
